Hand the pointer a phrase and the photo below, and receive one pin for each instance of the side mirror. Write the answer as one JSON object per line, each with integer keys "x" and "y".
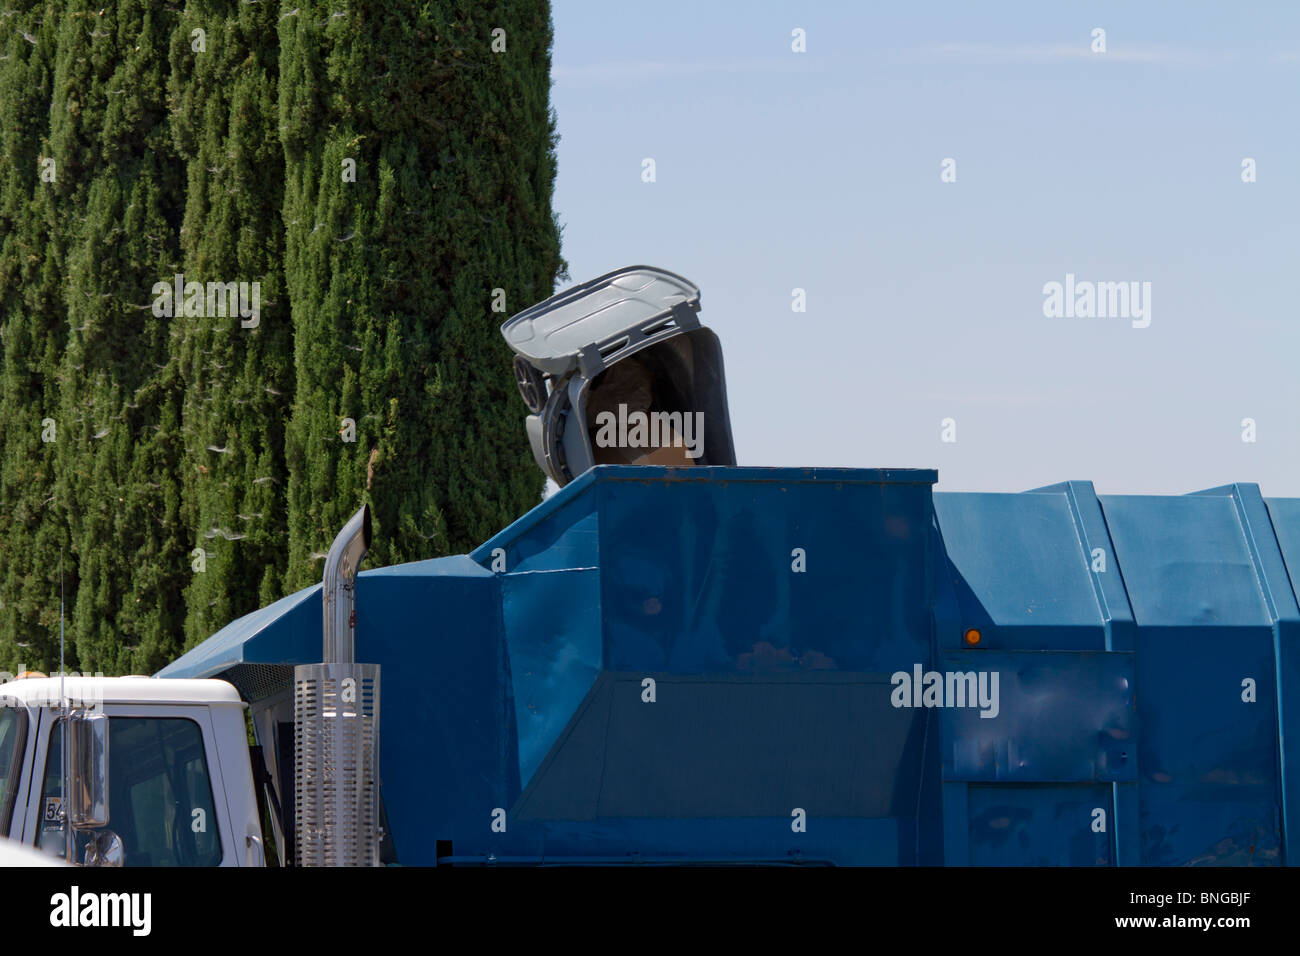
{"x": 105, "y": 849}
{"x": 88, "y": 771}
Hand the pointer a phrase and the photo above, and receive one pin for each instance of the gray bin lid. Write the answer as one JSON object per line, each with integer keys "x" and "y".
{"x": 597, "y": 323}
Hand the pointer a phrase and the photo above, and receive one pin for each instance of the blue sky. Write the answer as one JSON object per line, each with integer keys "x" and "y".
{"x": 778, "y": 170}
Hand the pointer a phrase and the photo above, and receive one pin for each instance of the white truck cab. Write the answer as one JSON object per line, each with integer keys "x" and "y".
{"x": 178, "y": 781}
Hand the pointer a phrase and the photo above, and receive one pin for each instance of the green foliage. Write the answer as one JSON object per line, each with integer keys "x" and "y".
{"x": 117, "y": 453}
{"x": 33, "y": 332}
{"x": 179, "y": 436}
{"x": 238, "y": 381}
{"x": 390, "y": 277}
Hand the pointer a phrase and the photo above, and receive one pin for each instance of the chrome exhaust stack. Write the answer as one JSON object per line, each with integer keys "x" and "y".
{"x": 338, "y": 588}
{"x": 336, "y": 725}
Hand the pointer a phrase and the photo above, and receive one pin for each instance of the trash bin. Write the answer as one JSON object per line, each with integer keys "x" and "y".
{"x": 619, "y": 370}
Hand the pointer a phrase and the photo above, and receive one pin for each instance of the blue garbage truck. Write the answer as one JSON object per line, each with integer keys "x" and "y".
{"x": 675, "y": 659}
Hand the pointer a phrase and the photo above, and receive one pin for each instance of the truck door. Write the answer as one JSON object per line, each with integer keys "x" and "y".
{"x": 13, "y": 747}
{"x": 166, "y": 794}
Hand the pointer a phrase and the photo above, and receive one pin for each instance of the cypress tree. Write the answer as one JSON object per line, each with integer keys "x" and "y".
{"x": 384, "y": 173}
{"x": 123, "y": 189}
{"x": 238, "y": 376}
{"x": 32, "y": 333}
{"x": 391, "y": 277}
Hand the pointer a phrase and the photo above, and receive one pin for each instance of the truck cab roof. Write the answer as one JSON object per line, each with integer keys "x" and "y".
{"x": 37, "y": 691}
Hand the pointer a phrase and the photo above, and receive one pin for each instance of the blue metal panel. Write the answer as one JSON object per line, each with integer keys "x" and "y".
{"x": 767, "y": 747}
{"x": 1040, "y": 826}
{"x": 285, "y": 632}
{"x": 1021, "y": 571}
{"x": 715, "y": 589}
{"x": 749, "y": 840}
{"x": 1103, "y": 568}
{"x": 1196, "y": 728}
{"x": 1197, "y": 571}
{"x": 1059, "y": 716}
{"x": 552, "y": 623}
{"x": 1185, "y": 559}
{"x": 768, "y": 651}
{"x": 448, "y": 747}
{"x": 1284, "y": 518}
{"x": 557, "y": 534}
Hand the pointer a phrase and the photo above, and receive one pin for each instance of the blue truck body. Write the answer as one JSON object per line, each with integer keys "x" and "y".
{"x": 771, "y": 665}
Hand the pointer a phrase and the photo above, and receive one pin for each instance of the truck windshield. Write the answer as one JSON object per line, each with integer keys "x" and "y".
{"x": 13, "y": 734}
{"x": 160, "y": 794}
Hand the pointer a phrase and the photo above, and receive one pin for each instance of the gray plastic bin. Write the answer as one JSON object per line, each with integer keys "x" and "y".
{"x": 619, "y": 370}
